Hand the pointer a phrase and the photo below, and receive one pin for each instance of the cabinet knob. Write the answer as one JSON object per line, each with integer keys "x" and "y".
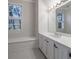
{"x": 70, "y": 55}
{"x": 55, "y": 46}
{"x": 47, "y": 41}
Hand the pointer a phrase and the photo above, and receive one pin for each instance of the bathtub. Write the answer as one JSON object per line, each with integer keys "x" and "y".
{"x": 24, "y": 42}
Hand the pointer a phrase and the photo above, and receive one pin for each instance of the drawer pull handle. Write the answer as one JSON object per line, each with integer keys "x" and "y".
{"x": 55, "y": 46}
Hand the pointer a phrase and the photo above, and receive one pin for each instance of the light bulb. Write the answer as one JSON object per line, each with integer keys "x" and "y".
{"x": 59, "y": 2}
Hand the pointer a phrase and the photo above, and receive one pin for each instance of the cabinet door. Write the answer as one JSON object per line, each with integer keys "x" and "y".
{"x": 61, "y": 52}
{"x": 50, "y": 50}
{"x": 69, "y": 53}
{"x": 42, "y": 44}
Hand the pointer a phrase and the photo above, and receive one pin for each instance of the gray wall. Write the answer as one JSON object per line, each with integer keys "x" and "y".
{"x": 28, "y": 20}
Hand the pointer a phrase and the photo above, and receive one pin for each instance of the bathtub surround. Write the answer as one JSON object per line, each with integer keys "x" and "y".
{"x": 23, "y": 44}
{"x": 28, "y": 22}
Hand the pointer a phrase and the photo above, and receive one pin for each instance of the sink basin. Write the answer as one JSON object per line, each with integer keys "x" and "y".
{"x": 57, "y": 35}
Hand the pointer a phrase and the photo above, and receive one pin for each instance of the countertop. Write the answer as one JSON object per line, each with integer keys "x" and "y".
{"x": 63, "y": 41}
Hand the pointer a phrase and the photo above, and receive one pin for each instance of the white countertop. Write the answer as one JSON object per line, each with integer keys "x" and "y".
{"x": 64, "y": 41}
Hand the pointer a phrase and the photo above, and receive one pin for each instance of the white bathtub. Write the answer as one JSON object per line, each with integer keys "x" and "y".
{"x": 24, "y": 42}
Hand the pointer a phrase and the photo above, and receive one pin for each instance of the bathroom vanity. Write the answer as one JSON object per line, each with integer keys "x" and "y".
{"x": 54, "y": 27}
{"x": 55, "y": 47}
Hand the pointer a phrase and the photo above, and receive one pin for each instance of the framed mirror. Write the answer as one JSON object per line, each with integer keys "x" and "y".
{"x": 63, "y": 19}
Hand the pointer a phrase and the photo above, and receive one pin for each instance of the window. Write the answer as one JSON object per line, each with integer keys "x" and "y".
{"x": 14, "y": 24}
{"x": 15, "y": 14}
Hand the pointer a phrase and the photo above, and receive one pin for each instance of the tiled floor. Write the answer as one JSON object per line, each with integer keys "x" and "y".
{"x": 24, "y": 53}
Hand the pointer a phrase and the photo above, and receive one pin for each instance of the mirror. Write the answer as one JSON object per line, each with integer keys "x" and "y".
{"x": 63, "y": 19}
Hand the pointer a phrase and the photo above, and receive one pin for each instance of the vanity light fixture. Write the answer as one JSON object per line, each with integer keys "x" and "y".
{"x": 56, "y": 4}
{"x": 51, "y": 8}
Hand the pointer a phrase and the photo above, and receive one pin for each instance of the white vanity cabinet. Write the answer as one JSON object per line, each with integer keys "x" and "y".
{"x": 53, "y": 49}
{"x": 61, "y": 51}
{"x": 47, "y": 47}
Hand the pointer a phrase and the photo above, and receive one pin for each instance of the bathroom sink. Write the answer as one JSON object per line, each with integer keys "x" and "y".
{"x": 55, "y": 35}
{"x": 58, "y": 35}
